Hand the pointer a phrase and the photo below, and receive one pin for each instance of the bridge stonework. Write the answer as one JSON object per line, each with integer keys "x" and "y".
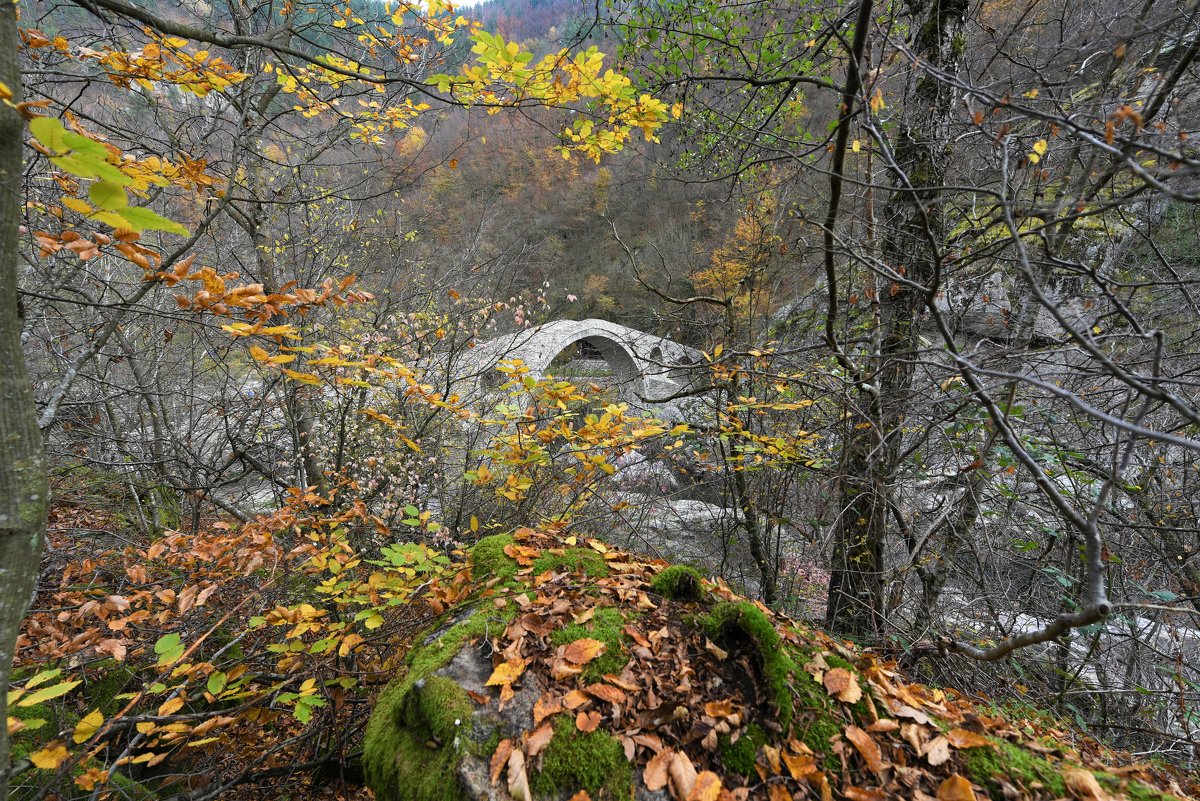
{"x": 645, "y": 366}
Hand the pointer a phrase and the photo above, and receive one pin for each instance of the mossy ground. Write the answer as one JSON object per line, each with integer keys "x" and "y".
{"x": 739, "y": 757}
{"x": 1014, "y": 765}
{"x": 679, "y": 583}
{"x": 738, "y": 624}
{"x": 488, "y": 559}
{"x": 576, "y": 761}
{"x": 571, "y": 560}
{"x": 604, "y": 626}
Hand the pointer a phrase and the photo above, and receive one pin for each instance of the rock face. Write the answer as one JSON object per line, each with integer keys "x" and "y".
{"x": 566, "y": 669}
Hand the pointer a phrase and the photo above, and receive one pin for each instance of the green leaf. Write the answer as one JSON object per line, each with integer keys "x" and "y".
{"x": 108, "y": 196}
{"x": 46, "y": 693}
{"x": 169, "y": 649}
{"x": 142, "y": 218}
{"x": 217, "y": 682}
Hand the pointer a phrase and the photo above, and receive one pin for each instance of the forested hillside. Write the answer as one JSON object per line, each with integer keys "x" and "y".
{"x": 688, "y": 398}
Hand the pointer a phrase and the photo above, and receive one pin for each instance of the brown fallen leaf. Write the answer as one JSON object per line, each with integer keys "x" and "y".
{"x": 583, "y": 651}
{"x": 864, "y": 793}
{"x": 841, "y": 684}
{"x": 546, "y": 706}
{"x": 575, "y": 699}
{"x": 582, "y": 795}
{"x": 655, "y": 774}
{"x": 936, "y": 751}
{"x": 962, "y": 738}
{"x": 884, "y": 725}
{"x": 539, "y": 739}
{"x": 867, "y": 748}
{"x": 706, "y": 788}
{"x": 518, "y": 781}
{"x": 777, "y": 792}
{"x": 801, "y": 766}
{"x": 719, "y": 709}
{"x": 720, "y": 653}
{"x": 605, "y": 693}
{"x": 587, "y": 721}
{"x": 500, "y": 758}
{"x": 956, "y": 788}
{"x": 683, "y": 775}
{"x": 1082, "y": 784}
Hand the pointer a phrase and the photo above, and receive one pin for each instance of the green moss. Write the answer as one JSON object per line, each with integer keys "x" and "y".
{"x": 736, "y": 624}
{"x": 1016, "y": 765}
{"x": 396, "y": 747}
{"x": 679, "y": 583}
{"x": 573, "y": 559}
{"x": 739, "y": 757}
{"x": 1131, "y": 789}
{"x": 441, "y": 706}
{"x": 604, "y": 626}
{"x": 488, "y": 559}
{"x": 576, "y": 761}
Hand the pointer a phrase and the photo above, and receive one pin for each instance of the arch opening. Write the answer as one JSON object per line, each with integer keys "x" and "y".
{"x": 598, "y": 359}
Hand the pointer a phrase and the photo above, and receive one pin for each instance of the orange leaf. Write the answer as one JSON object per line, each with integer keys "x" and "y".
{"x": 546, "y": 706}
{"x": 605, "y": 693}
{"x": 777, "y": 792}
{"x": 706, "y": 788}
{"x": 575, "y": 699}
{"x": 864, "y": 793}
{"x": 655, "y": 774}
{"x": 800, "y": 766}
{"x": 956, "y": 788}
{"x": 539, "y": 739}
{"x": 587, "y": 721}
{"x": 719, "y": 709}
{"x": 961, "y": 738}
{"x": 841, "y": 683}
{"x": 867, "y": 748}
{"x": 50, "y": 757}
{"x": 500, "y": 758}
{"x": 583, "y": 651}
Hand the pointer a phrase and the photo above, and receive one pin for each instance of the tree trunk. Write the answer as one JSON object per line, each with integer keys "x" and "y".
{"x": 24, "y": 495}
{"x": 912, "y": 231}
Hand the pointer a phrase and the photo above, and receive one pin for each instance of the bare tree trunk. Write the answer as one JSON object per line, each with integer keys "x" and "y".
{"x": 913, "y": 232}
{"x": 24, "y": 494}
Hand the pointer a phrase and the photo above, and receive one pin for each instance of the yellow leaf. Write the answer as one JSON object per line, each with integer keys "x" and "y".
{"x": 171, "y": 706}
{"x": 259, "y": 354}
{"x": 1032, "y": 93}
{"x": 88, "y": 726}
{"x": 5, "y": 92}
{"x": 304, "y": 378}
{"x": 50, "y": 757}
{"x": 75, "y": 204}
{"x": 856, "y": 145}
{"x": 506, "y": 672}
{"x": 956, "y": 788}
{"x": 877, "y": 103}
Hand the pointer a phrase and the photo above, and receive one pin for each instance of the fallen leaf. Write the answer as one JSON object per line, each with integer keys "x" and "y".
{"x": 719, "y": 709}
{"x": 518, "y": 781}
{"x": 506, "y": 672}
{"x": 683, "y": 775}
{"x": 655, "y": 774}
{"x": 777, "y": 792}
{"x": 605, "y": 693}
{"x": 706, "y": 788}
{"x": 866, "y": 747}
{"x": 500, "y": 759}
{"x": 575, "y": 699}
{"x": 546, "y": 706}
{"x": 1083, "y": 785}
{"x": 961, "y": 738}
{"x": 582, "y": 795}
{"x": 801, "y": 766}
{"x": 864, "y": 793}
{"x": 841, "y": 683}
{"x": 884, "y": 725}
{"x": 956, "y": 788}
{"x": 936, "y": 751}
{"x": 583, "y": 651}
{"x": 720, "y": 653}
{"x": 539, "y": 739}
{"x": 587, "y": 721}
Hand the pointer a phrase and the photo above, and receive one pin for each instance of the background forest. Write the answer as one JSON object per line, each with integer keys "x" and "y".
{"x": 937, "y": 261}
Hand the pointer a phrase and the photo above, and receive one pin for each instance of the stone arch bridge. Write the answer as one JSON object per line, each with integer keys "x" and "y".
{"x": 643, "y": 366}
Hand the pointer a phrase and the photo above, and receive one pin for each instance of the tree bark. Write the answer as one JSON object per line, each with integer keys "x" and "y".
{"x": 24, "y": 494}
{"x": 913, "y": 231}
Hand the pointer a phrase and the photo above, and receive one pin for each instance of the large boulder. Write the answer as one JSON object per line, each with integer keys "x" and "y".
{"x": 568, "y": 669}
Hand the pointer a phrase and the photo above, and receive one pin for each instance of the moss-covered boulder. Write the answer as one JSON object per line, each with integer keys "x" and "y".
{"x": 572, "y": 667}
